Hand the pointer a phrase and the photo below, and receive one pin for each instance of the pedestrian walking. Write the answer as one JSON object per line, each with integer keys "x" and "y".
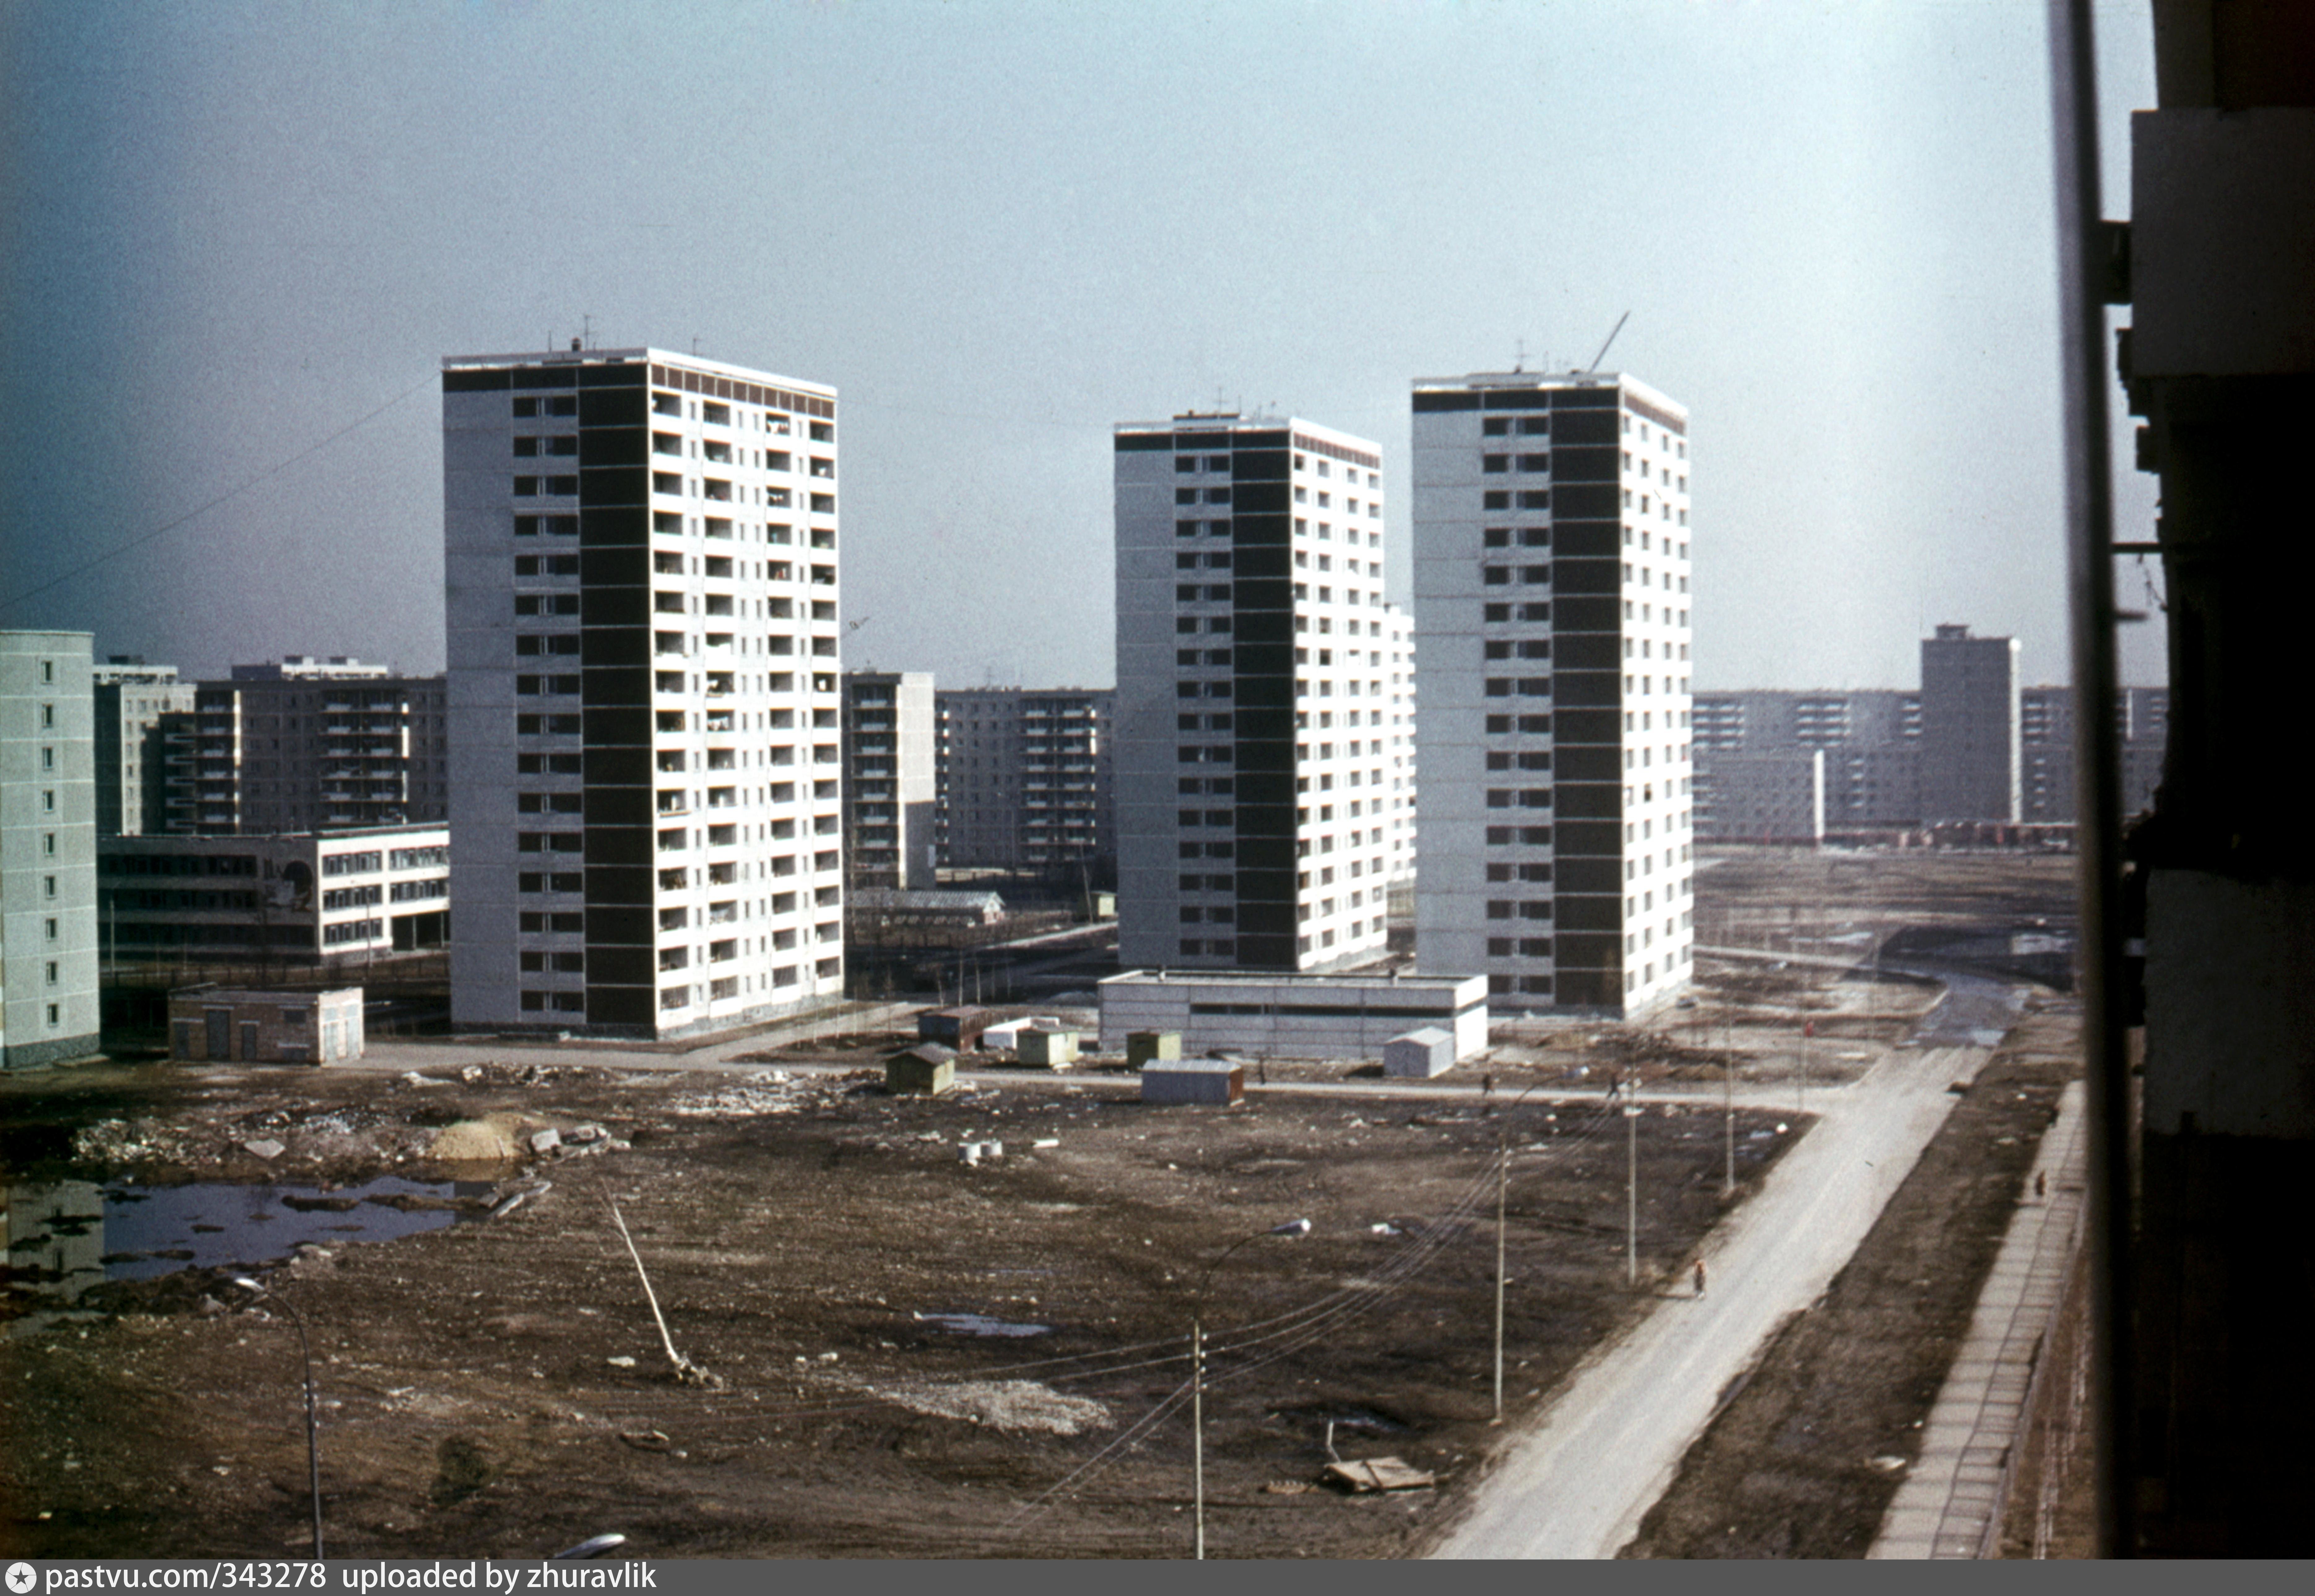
{"x": 2041, "y": 1183}
{"x": 1487, "y": 1086}
{"x": 1700, "y": 1277}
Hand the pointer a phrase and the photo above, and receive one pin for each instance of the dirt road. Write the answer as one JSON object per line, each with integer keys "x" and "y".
{"x": 1578, "y": 1484}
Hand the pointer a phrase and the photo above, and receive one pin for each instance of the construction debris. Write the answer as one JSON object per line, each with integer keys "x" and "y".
{"x": 1378, "y": 1473}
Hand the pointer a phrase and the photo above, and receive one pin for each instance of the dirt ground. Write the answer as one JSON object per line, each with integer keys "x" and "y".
{"x": 476, "y": 1400}
{"x": 1803, "y": 1460}
{"x": 499, "y": 1386}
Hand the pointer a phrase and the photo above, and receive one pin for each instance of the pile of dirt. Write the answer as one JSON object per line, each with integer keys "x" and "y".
{"x": 1010, "y": 1405}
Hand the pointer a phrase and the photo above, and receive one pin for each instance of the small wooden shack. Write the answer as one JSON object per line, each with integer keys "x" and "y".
{"x": 958, "y": 1028}
{"x": 926, "y": 1069}
{"x": 1147, "y": 1047}
{"x": 1048, "y": 1050}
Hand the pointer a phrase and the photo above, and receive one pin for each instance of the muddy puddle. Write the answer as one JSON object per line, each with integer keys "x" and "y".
{"x": 67, "y": 1235}
{"x": 973, "y": 1324}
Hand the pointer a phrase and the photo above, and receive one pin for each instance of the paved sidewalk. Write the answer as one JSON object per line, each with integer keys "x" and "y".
{"x": 1577, "y": 1484}
{"x": 1950, "y": 1504}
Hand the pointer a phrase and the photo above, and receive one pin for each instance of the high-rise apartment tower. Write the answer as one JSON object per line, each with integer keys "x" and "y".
{"x": 48, "y": 850}
{"x": 1551, "y": 625}
{"x": 1253, "y": 704}
{"x": 644, "y": 706}
{"x": 1972, "y": 730}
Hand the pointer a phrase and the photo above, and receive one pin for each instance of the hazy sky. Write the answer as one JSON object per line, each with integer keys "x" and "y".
{"x": 235, "y": 239}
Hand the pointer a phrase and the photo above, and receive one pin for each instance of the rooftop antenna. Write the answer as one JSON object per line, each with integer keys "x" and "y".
{"x": 695, "y": 341}
{"x": 1602, "y": 355}
{"x": 586, "y": 331}
{"x": 1519, "y": 359}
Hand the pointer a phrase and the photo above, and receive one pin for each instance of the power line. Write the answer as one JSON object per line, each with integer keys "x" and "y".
{"x": 229, "y": 494}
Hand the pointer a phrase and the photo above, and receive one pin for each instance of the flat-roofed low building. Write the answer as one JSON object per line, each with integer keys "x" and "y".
{"x": 311, "y": 896}
{"x": 214, "y": 1025}
{"x": 1283, "y": 1016}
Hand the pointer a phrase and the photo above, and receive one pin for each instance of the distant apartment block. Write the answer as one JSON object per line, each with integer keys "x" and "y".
{"x": 1883, "y": 748}
{"x": 134, "y": 704}
{"x": 891, "y": 785}
{"x": 1970, "y": 727}
{"x": 1762, "y": 797}
{"x": 311, "y": 898}
{"x": 1552, "y": 638}
{"x": 645, "y": 712}
{"x": 1871, "y": 741}
{"x": 48, "y": 850}
{"x": 1026, "y": 780}
{"x": 1256, "y": 801}
{"x": 308, "y": 744}
{"x": 2046, "y": 720}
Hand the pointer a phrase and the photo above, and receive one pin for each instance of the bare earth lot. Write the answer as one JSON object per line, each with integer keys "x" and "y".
{"x": 793, "y": 1231}
{"x": 478, "y": 1397}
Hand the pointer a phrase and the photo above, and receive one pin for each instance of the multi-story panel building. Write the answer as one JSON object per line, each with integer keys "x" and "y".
{"x": 1970, "y": 727}
{"x": 1552, "y": 636}
{"x": 309, "y": 745}
{"x": 645, "y": 704}
{"x": 1253, "y": 706}
{"x": 48, "y": 850}
{"x": 1883, "y": 767}
{"x": 1398, "y": 632}
{"x": 2047, "y": 743}
{"x": 135, "y": 703}
{"x": 890, "y": 781}
{"x": 1026, "y": 781}
{"x": 1870, "y": 739}
{"x": 313, "y": 898}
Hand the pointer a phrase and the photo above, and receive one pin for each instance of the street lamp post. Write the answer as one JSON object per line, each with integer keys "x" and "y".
{"x": 1198, "y": 1372}
{"x": 313, "y": 1417}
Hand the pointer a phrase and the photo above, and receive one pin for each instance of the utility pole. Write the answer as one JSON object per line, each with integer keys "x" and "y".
{"x": 1503, "y": 1182}
{"x": 1198, "y": 1426}
{"x": 1808, "y": 1029}
{"x": 1632, "y": 1192}
{"x": 1728, "y": 1107}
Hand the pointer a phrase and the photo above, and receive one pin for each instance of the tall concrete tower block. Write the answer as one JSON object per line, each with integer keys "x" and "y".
{"x": 1970, "y": 727}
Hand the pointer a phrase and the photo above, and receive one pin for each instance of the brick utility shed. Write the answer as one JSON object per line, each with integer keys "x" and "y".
{"x": 214, "y": 1025}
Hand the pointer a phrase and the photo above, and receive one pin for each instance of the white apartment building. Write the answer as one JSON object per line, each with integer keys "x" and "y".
{"x": 134, "y": 704}
{"x": 48, "y": 850}
{"x": 890, "y": 781}
{"x": 1552, "y": 636}
{"x": 1398, "y": 632}
{"x": 646, "y": 785}
{"x": 1254, "y": 696}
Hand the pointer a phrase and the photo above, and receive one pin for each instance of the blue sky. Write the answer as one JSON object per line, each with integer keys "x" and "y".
{"x": 239, "y": 237}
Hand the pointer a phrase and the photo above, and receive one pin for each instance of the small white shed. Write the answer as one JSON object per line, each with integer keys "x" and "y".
{"x": 1419, "y": 1054}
